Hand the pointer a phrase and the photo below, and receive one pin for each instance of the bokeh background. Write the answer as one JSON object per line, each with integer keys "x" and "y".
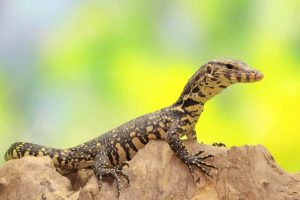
{"x": 71, "y": 70}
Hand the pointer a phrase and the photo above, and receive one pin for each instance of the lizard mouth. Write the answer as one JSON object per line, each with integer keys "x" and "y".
{"x": 245, "y": 77}
{"x": 253, "y": 76}
{"x": 249, "y": 76}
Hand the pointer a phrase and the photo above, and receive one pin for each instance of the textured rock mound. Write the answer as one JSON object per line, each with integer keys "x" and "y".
{"x": 247, "y": 172}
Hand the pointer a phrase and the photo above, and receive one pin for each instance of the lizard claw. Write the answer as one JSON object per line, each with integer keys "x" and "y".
{"x": 219, "y": 144}
{"x": 121, "y": 165}
{"x": 199, "y": 153}
{"x": 124, "y": 175}
{"x": 197, "y": 160}
{"x": 114, "y": 173}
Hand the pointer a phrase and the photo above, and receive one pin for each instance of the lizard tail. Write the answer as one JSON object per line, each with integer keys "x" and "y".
{"x": 21, "y": 149}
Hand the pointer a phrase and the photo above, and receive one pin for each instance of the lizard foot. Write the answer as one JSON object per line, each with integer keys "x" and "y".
{"x": 198, "y": 160}
{"x": 115, "y": 172}
{"x": 219, "y": 144}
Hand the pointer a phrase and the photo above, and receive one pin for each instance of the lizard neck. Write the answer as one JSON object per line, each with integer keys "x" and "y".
{"x": 195, "y": 94}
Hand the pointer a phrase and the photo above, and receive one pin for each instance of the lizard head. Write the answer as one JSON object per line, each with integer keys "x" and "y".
{"x": 224, "y": 72}
{"x": 214, "y": 76}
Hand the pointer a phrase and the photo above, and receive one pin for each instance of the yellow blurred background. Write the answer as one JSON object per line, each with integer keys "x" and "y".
{"x": 71, "y": 70}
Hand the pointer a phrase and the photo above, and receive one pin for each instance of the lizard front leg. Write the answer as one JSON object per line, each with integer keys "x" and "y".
{"x": 173, "y": 138}
{"x": 101, "y": 168}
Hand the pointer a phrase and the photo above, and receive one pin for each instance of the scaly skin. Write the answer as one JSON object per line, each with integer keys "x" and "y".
{"x": 108, "y": 153}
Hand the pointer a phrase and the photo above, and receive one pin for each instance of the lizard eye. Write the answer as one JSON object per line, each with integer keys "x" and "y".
{"x": 208, "y": 70}
{"x": 229, "y": 66}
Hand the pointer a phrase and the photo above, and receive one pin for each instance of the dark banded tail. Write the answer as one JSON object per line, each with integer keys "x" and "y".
{"x": 21, "y": 149}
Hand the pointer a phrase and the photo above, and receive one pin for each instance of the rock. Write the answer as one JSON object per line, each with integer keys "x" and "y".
{"x": 32, "y": 178}
{"x": 247, "y": 172}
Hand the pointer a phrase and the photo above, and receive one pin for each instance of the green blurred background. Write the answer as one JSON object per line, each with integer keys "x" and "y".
{"x": 71, "y": 70}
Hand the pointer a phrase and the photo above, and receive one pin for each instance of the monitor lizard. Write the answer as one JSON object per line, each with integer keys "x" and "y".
{"x": 108, "y": 153}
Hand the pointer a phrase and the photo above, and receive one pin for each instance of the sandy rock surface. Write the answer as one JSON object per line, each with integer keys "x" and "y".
{"x": 247, "y": 172}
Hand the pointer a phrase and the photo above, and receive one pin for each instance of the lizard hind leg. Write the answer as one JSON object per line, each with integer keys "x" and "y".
{"x": 102, "y": 168}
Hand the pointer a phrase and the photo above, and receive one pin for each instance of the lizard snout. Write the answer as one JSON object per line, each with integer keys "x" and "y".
{"x": 258, "y": 76}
